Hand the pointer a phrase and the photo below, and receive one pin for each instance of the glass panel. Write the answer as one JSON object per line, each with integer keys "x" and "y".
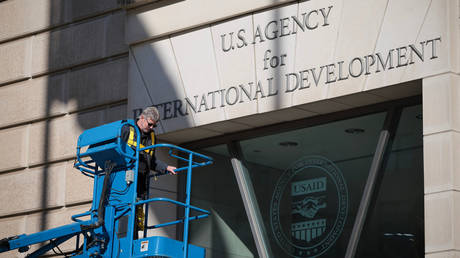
{"x": 226, "y": 233}
{"x": 309, "y": 183}
{"x": 395, "y": 226}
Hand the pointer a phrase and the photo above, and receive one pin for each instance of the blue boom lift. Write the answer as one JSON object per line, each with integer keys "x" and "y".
{"x": 109, "y": 229}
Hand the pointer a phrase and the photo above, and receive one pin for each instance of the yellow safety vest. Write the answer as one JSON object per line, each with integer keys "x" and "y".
{"x": 132, "y": 142}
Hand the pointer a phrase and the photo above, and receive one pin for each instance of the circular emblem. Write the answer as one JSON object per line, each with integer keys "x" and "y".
{"x": 309, "y": 207}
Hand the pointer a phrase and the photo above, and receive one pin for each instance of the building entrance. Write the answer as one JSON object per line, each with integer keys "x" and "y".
{"x": 349, "y": 186}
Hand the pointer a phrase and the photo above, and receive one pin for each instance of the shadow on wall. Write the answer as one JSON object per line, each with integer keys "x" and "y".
{"x": 150, "y": 69}
{"x": 87, "y": 65}
{"x": 209, "y": 77}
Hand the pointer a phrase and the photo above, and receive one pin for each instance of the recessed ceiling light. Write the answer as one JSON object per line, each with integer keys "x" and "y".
{"x": 288, "y": 144}
{"x": 354, "y": 130}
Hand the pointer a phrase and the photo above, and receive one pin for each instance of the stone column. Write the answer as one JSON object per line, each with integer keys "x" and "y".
{"x": 441, "y": 147}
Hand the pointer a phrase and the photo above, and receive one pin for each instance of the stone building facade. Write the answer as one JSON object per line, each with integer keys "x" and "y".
{"x": 224, "y": 74}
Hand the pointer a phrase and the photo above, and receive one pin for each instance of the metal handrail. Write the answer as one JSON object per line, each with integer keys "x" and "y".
{"x": 175, "y": 152}
{"x": 191, "y": 164}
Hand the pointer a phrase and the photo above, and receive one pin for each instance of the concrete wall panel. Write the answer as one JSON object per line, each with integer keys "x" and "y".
{"x": 69, "y": 46}
{"x": 13, "y": 148}
{"x": 117, "y": 112}
{"x": 21, "y": 17}
{"x": 98, "y": 84}
{"x": 441, "y": 103}
{"x": 56, "y": 139}
{"x": 11, "y": 227}
{"x": 441, "y": 227}
{"x": 441, "y": 163}
{"x": 441, "y": 149}
{"x": 78, "y": 187}
{"x": 33, "y": 189}
{"x": 77, "y": 9}
{"x": 115, "y": 34}
{"x": 15, "y": 60}
{"x": 33, "y": 99}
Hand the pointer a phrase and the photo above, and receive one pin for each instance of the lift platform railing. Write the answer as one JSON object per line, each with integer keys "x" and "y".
{"x": 132, "y": 160}
{"x": 103, "y": 155}
{"x": 205, "y": 160}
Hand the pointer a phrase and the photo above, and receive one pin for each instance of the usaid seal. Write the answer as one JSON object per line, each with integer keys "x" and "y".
{"x": 309, "y": 207}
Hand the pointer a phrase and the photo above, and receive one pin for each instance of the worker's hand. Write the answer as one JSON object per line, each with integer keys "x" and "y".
{"x": 171, "y": 169}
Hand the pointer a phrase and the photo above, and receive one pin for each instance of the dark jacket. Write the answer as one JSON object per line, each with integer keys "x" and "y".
{"x": 147, "y": 163}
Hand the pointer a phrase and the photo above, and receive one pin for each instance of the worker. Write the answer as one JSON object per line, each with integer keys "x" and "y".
{"x": 146, "y": 122}
{"x": 148, "y": 163}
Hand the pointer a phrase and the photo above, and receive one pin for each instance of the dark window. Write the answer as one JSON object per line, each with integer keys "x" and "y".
{"x": 309, "y": 184}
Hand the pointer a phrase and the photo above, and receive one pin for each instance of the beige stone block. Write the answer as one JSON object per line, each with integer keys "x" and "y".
{"x": 63, "y": 48}
{"x": 235, "y": 63}
{"x": 33, "y": 189}
{"x": 56, "y": 139}
{"x": 13, "y": 150}
{"x": 33, "y": 99}
{"x": 115, "y": 33}
{"x": 21, "y": 17}
{"x": 197, "y": 67}
{"x": 97, "y": 85}
{"x": 162, "y": 212}
{"x": 51, "y": 50}
{"x": 11, "y": 227}
{"x": 78, "y": 187}
{"x": 156, "y": 19}
{"x": 441, "y": 163}
{"x": 441, "y": 223}
{"x": 15, "y": 60}
{"x": 441, "y": 103}
{"x": 78, "y": 9}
